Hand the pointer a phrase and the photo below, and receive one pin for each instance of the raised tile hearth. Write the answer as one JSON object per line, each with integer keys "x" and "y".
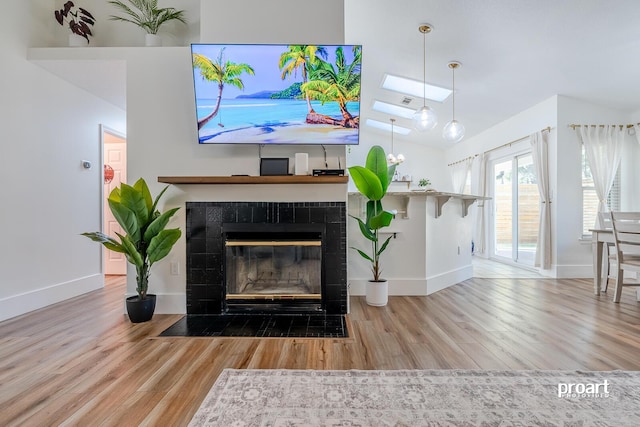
{"x": 260, "y": 326}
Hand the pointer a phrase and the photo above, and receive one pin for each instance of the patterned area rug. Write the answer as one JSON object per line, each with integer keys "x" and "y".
{"x": 292, "y": 398}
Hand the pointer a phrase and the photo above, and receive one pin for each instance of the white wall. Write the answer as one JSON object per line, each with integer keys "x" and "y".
{"x": 162, "y": 136}
{"x": 48, "y": 199}
{"x": 275, "y": 21}
{"x": 421, "y": 161}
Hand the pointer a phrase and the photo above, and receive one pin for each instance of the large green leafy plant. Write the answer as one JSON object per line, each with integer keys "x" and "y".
{"x": 372, "y": 181}
{"x": 146, "y": 240}
{"x": 146, "y": 14}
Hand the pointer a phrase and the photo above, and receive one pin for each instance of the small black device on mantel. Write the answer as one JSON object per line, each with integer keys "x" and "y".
{"x": 274, "y": 166}
{"x": 333, "y": 172}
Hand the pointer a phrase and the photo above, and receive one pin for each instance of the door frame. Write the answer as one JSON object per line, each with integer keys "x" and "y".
{"x": 512, "y": 152}
{"x": 104, "y": 129}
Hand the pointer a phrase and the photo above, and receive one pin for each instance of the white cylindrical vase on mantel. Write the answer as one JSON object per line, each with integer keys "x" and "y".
{"x": 377, "y": 293}
{"x": 152, "y": 40}
{"x": 77, "y": 41}
{"x": 301, "y": 164}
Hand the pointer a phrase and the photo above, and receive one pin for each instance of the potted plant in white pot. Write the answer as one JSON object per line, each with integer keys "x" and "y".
{"x": 145, "y": 242}
{"x": 147, "y": 15}
{"x": 372, "y": 181}
{"x": 79, "y": 21}
{"x": 423, "y": 183}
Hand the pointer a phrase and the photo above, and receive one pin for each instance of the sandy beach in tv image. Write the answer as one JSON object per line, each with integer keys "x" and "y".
{"x": 277, "y": 94}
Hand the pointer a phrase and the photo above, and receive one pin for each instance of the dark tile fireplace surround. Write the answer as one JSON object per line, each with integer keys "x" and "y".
{"x": 205, "y": 225}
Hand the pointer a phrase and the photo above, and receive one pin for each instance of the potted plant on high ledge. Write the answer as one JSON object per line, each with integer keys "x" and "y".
{"x": 372, "y": 182}
{"x": 145, "y": 242}
{"x": 147, "y": 15}
{"x": 79, "y": 21}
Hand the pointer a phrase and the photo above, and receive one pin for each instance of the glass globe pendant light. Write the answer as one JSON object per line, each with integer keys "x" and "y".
{"x": 424, "y": 118}
{"x": 453, "y": 131}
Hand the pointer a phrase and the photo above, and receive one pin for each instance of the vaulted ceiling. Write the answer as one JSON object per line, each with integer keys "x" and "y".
{"x": 514, "y": 54}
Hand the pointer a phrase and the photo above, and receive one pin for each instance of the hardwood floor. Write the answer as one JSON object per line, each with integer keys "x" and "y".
{"x": 491, "y": 269}
{"x": 81, "y": 362}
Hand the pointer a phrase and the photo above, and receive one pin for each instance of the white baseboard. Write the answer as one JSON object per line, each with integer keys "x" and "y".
{"x": 416, "y": 287}
{"x": 444, "y": 280}
{"x": 17, "y": 305}
{"x": 552, "y": 272}
{"x": 574, "y": 271}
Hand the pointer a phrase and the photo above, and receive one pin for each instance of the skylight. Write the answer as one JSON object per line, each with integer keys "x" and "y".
{"x": 385, "y": 107}
{"x": 415, "y": 87}
{"x": 387, "y": 126}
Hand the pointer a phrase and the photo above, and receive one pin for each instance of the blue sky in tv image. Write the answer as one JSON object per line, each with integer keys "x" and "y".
{"x": 260, "y": 112}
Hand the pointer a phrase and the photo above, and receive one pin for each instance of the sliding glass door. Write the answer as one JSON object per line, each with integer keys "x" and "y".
{"x": 516, "y": 210}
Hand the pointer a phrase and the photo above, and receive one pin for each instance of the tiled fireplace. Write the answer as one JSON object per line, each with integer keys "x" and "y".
{"x": 266, "y": 257}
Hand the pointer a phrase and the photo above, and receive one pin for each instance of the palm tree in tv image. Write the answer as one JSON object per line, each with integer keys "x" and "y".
{"x": 221, "y": 72}
{"x": 301, "y": 57}
{"x": 340, "y": 84}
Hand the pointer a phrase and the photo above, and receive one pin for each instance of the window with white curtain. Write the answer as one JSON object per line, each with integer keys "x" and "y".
{"x": 590, "y": 198}
{"x": 467, "y": 185}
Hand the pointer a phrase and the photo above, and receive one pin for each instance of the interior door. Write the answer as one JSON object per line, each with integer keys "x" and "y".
{"x": 516, "y": 212}
{"x": 115, "y": 156}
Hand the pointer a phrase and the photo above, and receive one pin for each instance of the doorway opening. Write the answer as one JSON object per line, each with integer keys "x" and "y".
{"x": 114, "y": 155}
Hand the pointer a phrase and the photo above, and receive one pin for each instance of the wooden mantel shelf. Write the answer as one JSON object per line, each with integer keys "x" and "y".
{"x": 236, "y": 179}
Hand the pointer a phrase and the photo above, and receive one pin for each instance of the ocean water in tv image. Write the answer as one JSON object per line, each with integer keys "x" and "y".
{"x": 277, "y": 94}
{"x": 243, "y": 120}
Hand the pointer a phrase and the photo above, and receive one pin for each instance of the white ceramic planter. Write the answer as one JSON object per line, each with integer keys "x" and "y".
{"x": 152, "y": 40}
{"x": 77, "y": 41}
{"x": 377, "y": 293}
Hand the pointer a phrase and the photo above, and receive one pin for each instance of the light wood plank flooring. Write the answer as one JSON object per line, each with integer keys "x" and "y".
{"x": 487, "y": 268}
{"x": 82, "y": 363}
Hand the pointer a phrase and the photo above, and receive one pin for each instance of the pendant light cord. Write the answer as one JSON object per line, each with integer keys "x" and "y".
{"x": 424, "y": 69}
{"x": 453, "y": 114}
{"x": 392, "y": 120}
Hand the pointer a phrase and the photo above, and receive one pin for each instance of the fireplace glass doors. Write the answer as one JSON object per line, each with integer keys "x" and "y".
{"x": 273, "y": 269}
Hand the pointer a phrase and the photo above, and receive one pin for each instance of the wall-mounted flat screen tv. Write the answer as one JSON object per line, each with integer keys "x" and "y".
{"x": 277, "y": 94}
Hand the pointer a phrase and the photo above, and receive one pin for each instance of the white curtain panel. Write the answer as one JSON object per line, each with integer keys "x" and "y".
{"x": 479, "y": 188}
{"x": 636, "y": 128}
{"x": 459, "y": 173}
{"x": 603, "y": 146}
{"x": 540, "y": 150}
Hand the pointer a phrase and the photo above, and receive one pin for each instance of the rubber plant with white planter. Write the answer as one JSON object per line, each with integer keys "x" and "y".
{"x": 147, "y": 15}
{"x": 372, "y": 181}
{"x": 146, "y": 240}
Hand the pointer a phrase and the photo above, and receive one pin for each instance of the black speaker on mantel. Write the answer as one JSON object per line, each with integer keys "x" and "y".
{"x": 333, "y": 172}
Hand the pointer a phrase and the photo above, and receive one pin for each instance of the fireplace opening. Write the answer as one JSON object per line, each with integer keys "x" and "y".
{"x": 273, "y": 268}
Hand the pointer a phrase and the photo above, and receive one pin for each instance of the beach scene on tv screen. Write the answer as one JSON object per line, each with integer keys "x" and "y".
{"x": 277, "y": 94}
